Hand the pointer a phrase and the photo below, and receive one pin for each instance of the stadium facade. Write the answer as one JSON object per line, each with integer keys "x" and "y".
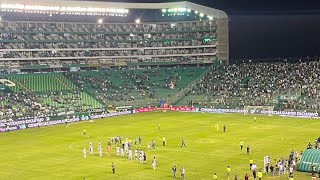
{"x": 47, "y": 35}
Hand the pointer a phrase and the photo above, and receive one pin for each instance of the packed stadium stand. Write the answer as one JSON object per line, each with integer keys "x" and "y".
{"x": 59, "y": 59}
{"x": 285, "y": 85}
{"x": 71, "y": 57}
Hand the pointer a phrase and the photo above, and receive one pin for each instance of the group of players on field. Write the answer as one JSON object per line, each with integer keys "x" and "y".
{"x": 125, "y": 147}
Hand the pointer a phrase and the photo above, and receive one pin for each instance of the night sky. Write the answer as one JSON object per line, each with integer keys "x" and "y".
{"x": 274, "y": 28}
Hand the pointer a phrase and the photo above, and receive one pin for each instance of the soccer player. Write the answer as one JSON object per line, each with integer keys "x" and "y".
{"x": 228, "y": 170}
{"x": 248, "y": 149}
{"x": 224, "y": 128}
{"x": 126, "y": 146}
{"x": 272, "y": 170}
{"x": 117, "y": 151}
{"x": 246, "y": 177}
{"x": 250, "y": 163}
{"x": 84, "y": 132}
{"x": 122, "y": 152}
{"x": 91, "y": 148}
{"x": 255, "y": 120}
{"x": 141, "y": 156}
{"x": 100, "y": 151}
{"x": 84, "y": 152}
{"x": 130, "y": 154}
{"x": 241, "y": 144}
{"x": 253, "y": 167}
{"x": 144, "y": 158}
{"x": 153, "y": 144}
{"x": 235, "y": 177}
{"x": 109, "y": 142}
{"x": 99, "y": 145}
{"x": 154, "y": 163}
{"x": 260, "y": 175}
{"x": 215, "y": 177}
{"x": 254, "y": 171}
{"x": 148, "y": 146}
{"x": 113, "y": 167}
{"x": 163, "y": 141}
{"x": 108, "y": 150}
{"x": 140, "y": 139}
{"x": 136, "y": 154}
{"x": 291, "y": 171}
{"x": 182, "y": 172}
{"x": 183, "y": 143}
{"x": 174, "y": 171}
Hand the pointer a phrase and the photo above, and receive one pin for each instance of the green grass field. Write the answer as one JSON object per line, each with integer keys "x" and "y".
{"x": 56, "y": 152}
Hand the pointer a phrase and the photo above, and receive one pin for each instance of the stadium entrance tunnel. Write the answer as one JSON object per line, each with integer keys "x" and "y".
{"x": 310, "y": 158}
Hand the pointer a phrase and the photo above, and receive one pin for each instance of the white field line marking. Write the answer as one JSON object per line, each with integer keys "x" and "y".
{"x": 70, "y": 146}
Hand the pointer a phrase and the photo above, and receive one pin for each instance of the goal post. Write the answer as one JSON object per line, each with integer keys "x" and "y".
{"x": 258, "y": 110}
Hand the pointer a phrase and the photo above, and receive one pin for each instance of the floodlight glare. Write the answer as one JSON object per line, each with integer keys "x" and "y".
{"x": 100, "y": 21}
{"x": 196, "y": 12}
{"x": 188, "y": 10}
{"x": 210, "y": 18}
{"x": 164, "y": 10}
{"x": 182, "y": 9}
{"x": 137, "y": 21}
{"x": 201, "y": 14}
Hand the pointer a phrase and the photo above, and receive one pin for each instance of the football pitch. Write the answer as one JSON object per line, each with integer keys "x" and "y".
{"x": 55, "y": 152}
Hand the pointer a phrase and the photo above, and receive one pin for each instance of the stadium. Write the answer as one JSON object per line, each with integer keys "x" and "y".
{"x": 109, "y": 90}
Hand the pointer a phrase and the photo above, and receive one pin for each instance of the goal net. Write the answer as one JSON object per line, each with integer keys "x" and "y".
{"x": 258, "y": 109}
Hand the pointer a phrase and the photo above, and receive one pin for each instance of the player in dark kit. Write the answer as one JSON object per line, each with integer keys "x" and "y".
{"x": 183, "y": 143}
{"x": 113, "y": 167}
{"x": 174, "y": 171}
{"x": 224, "y": 128}
{"x": 248, "y": 149}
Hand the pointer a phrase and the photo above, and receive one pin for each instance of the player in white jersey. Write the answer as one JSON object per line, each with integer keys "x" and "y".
{"x": 122, "y": 152}
{"x": 154, "y": 163}
{"x": 100, "y": 151}
{"x": 130, "y": 154}
{"x": 90, "y": 148}
{"x": 99, "y": 145}
{"x": 141, "y": 156}
{"x": 149, "y": 146}
{"x": 126, "y": 146}
{"x": 84, "y": 152}
{"x": 117, "y": 151}
{"x": 136, "y": 154}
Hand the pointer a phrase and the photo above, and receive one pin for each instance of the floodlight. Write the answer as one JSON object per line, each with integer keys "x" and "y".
{"x": 210, "y": 18}
{"x": 196, "y": 12}
{"x": 188, "y": 10}
{"x": 164, "y": 10}
{"x": 201, "y": 14}
{"x": 100, "y": 21}
{"x": 137, "y": 21}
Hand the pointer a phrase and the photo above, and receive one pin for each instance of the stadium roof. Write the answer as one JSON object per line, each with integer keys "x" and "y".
{"x": 215, "y": 13}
